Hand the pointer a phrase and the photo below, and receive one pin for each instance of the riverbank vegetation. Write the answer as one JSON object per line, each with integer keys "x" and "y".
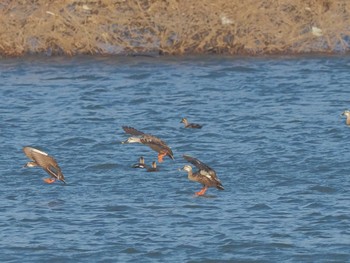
{"x": 237, "y": 27}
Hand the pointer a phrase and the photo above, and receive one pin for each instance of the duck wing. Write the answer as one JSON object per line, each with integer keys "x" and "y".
{"x": 31, "y": 152}
{"x": 195, "y": 126}
{"x": 156, "y": 144}
{"x": 200, "y": 165}
{"x": 132, "y": 131}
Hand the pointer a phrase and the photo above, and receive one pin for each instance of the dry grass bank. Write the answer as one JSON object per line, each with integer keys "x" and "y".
{"x": 173, "y": 26}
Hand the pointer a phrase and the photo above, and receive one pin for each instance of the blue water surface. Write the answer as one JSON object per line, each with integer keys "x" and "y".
{"x": 272, "y": 130}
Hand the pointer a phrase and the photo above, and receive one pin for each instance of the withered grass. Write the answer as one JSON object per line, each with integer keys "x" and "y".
{"x": 176, "y": 27}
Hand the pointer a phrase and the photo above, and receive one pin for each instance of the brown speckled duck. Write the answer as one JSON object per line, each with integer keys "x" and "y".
{"x": 45, "y": 161}
{"x": 190, "y": 125}
{"x": 205, "y": 175}
{"x": 151, "y": 141}
{"x": 347, "y": 114}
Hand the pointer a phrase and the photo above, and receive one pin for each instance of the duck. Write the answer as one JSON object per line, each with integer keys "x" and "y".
{"x": 347, "y": 114}
{"x": 151, "y": 141}
{"x": 46, "y": 162}
{"x": 141, "y": 164}
{"x": 205, "y": 175}
{"x": 153, "y": 168}
{"x": 190, "y": 125}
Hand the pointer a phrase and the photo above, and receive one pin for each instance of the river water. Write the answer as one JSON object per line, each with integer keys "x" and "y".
{"x": 272, "y": 130}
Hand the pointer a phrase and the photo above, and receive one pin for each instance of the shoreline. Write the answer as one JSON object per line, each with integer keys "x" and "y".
{"x": 174, "y": 27}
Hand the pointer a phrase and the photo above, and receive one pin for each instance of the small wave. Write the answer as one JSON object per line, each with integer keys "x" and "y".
{"x": 103, "y": 166}
{"x": 323, "y": 189}
{"x": 259, "y": 207}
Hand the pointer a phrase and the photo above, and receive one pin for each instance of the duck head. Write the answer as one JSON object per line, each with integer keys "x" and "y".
{"x": 30, "y": 164}
{"x": 186, "y": 168}
{"x": 183, "y": 120}
{"x": 346, "y": 113}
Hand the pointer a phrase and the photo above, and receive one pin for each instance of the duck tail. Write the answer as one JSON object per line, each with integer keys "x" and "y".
{"x": 171, "y": 156}
{"x": 220, "y": 186}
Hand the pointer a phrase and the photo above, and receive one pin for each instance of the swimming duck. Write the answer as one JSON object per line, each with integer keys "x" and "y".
{"x": 153, "y": 168}
{"x": 190, "y": 125}
{"x": 141, "y": 163}
{"x": 205, "y": 175}
{"x": 347, "y": 114}
{"x": 45, "y": 161}
{"x": 153, "y": 142}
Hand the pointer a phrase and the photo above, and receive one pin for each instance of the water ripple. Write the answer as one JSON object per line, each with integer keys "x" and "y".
{"x": 271, "y": 129}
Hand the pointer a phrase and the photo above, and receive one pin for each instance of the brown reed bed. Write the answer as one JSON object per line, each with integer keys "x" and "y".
{"x": 105, "y": 27}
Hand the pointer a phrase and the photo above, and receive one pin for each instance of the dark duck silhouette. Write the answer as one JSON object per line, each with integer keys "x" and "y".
{"x": 151, "y": 141}
{"x": 141, "y": 164}
{"x": 205, "y": 175}
{"x": 45, "y": 161}
{"x": 190, "y": 125}
{"x": 153, "y": 168}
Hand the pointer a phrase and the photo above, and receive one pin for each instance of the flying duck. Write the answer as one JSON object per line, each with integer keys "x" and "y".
{"x": 45, "y": 161}
{"x": 205, "y": 175}
{"x": 190, "y": 125}
{"x": 141, "y": 163}
{"x": 153, "y": 142}
{"x": 347, "y": 114}
{"x": 154, "y": 168}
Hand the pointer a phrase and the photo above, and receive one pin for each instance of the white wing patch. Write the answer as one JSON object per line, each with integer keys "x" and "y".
{"x": 38, "y": 151}
{"x": 204, "y": 173}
